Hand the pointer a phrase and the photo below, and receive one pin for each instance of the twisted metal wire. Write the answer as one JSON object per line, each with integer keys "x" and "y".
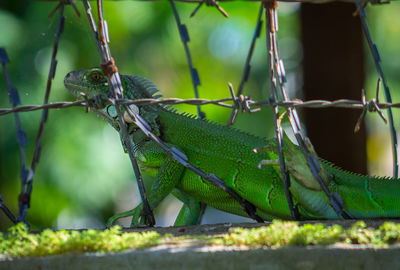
{"x": 27, "y": 181}
{"x": 277, "y": 74}
{"x": 28, "y": 175}
{"x": 377, "y": 60}
{"x": 277, "y": 78}
{"x": 194, "y": 74}
{"x": 241, "y": 104}
{"x": 110, "y": 70}
{"x": 20, "y": 133}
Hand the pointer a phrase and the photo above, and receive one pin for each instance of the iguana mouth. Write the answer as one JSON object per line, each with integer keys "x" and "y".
{"x": 73, "y": 86}
{"x": 72, "y": 89}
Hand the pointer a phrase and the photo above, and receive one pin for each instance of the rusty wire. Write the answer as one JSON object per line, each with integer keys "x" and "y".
{"x": 241, "y": 104}
{"x": 277, "y": 77}
{"x": 111, "y": 72}
{"x": 277, "y": 74}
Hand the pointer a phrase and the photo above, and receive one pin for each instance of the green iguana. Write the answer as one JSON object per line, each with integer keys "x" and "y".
{"x": 228, "y": 153}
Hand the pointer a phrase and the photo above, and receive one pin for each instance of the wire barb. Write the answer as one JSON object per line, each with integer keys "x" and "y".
{"x": 241, "y": 104}
{"x": 370, "y": 106}
{"x": 213, "y": 3}
{"x": 62, "y": 3}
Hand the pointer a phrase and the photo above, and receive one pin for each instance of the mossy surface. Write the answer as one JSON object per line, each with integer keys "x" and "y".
{"x": 281, "y": 233}
{"x": 18, "y": 242}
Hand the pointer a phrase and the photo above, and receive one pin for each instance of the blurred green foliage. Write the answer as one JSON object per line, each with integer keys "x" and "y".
{"x": 83, "y": 176}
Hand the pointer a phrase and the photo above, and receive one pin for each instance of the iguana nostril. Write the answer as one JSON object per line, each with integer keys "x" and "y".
{"x": 67, "y": 76}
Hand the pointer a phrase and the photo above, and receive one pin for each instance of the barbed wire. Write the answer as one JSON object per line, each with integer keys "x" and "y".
{"x": 27, "y": 182}
{"x": 20, "y": 133}
{"x": 247, "y": 66}
{"x": 110, "y": 71}
{"x": 377, "y": 60}
{"x": 245, "y": 104}
{"x": 27, "y": 176}
{"x": 194, "y": 74}
{"x": 277, "y": 78}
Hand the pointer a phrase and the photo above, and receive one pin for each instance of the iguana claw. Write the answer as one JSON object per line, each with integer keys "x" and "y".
{"x": 136, "y": 213}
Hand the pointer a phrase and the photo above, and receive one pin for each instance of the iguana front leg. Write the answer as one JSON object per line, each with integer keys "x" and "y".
{"x": 168, "y": 177}
{"x": 154, "y": 162}
{"x": 188, "y": 215}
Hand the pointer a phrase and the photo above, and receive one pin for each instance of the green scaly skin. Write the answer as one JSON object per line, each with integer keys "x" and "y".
{"x": 228, "y": 153}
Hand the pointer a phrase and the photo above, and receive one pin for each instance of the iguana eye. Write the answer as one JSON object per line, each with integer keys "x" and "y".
{"x": 96, "y": 76}
{"x": 111, "y": 111}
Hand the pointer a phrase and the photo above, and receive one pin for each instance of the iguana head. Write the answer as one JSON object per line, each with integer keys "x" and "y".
{"x": 92, "y": 82}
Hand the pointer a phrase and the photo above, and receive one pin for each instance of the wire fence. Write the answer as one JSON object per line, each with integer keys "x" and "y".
{"x": 237, "y": 102}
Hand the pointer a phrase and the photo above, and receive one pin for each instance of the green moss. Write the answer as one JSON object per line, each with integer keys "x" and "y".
{"x": 281, "y": 233}
{"x": 18, "y": 242}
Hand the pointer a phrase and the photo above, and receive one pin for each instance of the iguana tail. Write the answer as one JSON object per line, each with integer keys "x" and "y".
{"x": 362, "y": 196}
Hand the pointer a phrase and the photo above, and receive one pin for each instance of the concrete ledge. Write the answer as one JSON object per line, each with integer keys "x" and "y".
{"x": 334, "y": 257}
{"x": 188, "y": 254}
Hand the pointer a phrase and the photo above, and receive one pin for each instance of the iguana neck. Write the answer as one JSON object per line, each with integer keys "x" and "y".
{"x": 137, "y": 87}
